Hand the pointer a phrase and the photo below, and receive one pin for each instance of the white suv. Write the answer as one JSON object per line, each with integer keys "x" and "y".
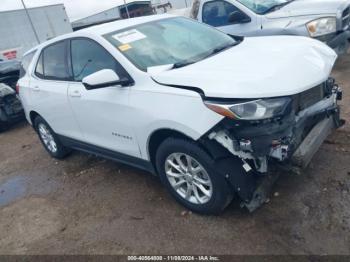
{"x": 208, "y": 112}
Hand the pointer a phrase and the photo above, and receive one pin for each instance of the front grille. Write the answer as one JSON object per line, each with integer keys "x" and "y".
{"x": 308, "y": 98}
{"x": 346, "y": 18}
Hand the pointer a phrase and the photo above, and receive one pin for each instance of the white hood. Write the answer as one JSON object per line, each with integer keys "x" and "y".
{"x": 256, "y": 68}
{"x": 310, "y": 7}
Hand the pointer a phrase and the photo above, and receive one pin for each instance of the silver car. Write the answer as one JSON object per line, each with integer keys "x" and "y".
{"x": 326, "y": 20}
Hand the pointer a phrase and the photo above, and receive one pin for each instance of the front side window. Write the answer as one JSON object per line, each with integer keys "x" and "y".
{"x": 89, "y": 57}
{"x": 52, "y": 63}
{"x": 216, "y": 13}
{"x": 168, "y": 41}
{"x": 264, "y": 6}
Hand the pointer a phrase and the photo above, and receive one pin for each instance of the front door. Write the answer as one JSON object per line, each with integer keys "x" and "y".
{"x": 217, "y": 13}
{"x": 103, "y": 114}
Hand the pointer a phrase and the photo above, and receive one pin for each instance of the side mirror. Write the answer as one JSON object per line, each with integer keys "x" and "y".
{"x": 238, "y": 17}
{"x": 103, "y": 78}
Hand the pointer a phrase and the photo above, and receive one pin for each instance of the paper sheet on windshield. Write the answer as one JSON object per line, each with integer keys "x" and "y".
{"x": 129, "y": 36}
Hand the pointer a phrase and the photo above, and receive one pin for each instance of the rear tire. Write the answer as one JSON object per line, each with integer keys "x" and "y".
{"x": 49, "y": 139}
{"x": 188, "y": 173}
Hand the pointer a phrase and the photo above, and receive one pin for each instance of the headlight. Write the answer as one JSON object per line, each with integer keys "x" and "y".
{"x": 322, "y": 26}
{"x": 252, "y": 110}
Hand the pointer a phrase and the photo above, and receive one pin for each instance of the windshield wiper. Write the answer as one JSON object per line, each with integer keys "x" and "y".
{"x": 213, "y": 52}
{"x": 182, "y": 64}
{"x": 220, "y": 49}
{"x": 276, "y": 7}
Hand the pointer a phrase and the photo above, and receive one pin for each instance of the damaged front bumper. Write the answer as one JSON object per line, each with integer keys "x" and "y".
{"x": 289, "y": 142}
{"x": 11, "y": 109}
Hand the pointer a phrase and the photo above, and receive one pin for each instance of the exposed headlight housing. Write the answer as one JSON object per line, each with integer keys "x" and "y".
{"x": 252, "y": 110}
{"x": 322, "y": 26}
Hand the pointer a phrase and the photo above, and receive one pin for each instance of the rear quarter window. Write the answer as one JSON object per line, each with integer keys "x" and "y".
{"x": 39, "y": 70}
{"x": 25, "y": 63}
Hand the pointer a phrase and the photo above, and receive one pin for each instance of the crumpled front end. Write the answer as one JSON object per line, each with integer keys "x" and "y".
{"x": 288, "y": 141}
{"x": 11, "y": 109}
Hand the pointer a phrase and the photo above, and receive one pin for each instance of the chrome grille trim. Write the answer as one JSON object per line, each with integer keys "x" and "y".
{"x": 308, "y": 98}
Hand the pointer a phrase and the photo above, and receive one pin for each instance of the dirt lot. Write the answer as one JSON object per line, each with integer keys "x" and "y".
{"x": 87, "y": 205}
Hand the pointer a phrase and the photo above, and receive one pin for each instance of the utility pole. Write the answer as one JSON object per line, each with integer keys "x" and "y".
{"x": 31, "y": 22}
{"x": 126, "y": 7}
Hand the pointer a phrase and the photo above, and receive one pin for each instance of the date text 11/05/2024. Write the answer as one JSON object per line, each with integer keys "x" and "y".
{"x": 173, "y": 258}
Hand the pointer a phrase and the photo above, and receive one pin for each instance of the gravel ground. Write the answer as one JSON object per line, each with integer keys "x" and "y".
{"x": 87, "y": 205}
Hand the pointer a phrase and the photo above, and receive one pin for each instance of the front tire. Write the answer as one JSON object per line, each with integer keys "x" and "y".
{"x": 188, "y": 173}
{"x": 49, "y": 139}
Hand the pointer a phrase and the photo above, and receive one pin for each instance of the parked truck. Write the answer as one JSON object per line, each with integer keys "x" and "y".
{"x": 20, "y": 31}
{"x": 325, "y": 20}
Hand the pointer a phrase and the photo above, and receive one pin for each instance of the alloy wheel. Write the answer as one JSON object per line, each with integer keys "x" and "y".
{"x": 47, "y": 138}
{"x": 188, "y": 178}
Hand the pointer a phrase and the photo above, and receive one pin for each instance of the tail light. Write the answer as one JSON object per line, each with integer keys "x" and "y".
{"x": 17, "y": 88}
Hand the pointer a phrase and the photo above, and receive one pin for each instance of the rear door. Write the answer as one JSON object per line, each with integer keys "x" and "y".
{"x": 48, "y": 89}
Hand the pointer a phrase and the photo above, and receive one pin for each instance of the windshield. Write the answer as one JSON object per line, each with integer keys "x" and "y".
{"x": 264, "y": 6}
{"x": 179, "y": 41}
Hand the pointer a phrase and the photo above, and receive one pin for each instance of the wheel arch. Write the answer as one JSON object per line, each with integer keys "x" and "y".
{"x": 32, "y": 116}
{"x": 157, "y": 137}
{"x": 160, "y": 135}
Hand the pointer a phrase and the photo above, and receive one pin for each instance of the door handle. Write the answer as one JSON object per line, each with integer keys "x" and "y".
{"x": 36, "y": 88}
{"x": 75, "y": 93}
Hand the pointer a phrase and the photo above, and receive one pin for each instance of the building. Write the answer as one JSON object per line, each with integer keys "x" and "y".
{"x": 17, "y": 35}
{"x": 164, "y": 6}
{"x": 131, "y": 9}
